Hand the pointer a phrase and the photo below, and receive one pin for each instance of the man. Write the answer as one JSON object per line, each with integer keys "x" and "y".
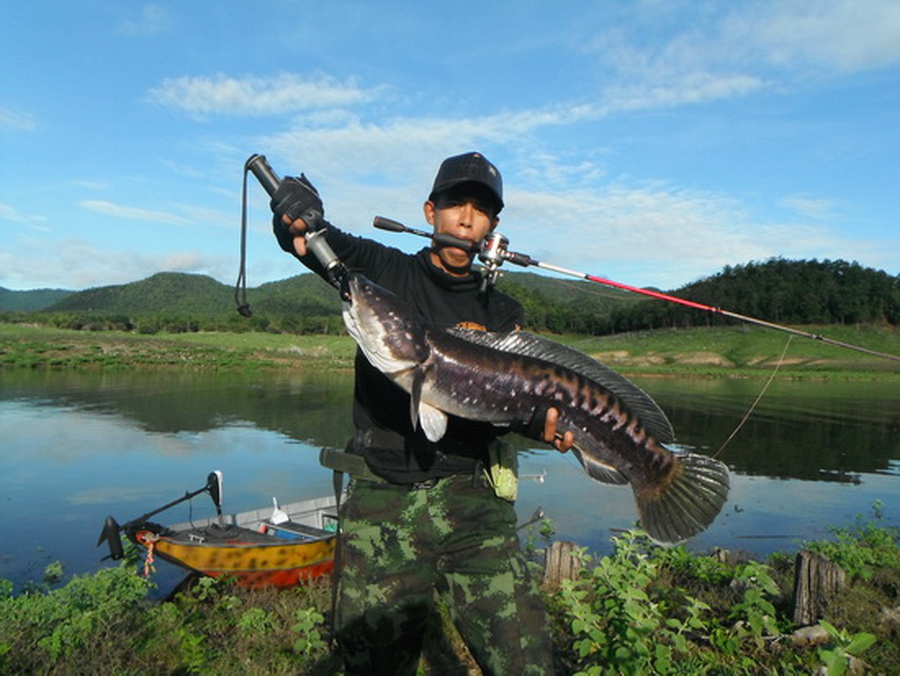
{"x": 423, "y": 517}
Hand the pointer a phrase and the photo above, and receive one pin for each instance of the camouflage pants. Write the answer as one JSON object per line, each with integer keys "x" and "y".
{"x": 400, "y": 544}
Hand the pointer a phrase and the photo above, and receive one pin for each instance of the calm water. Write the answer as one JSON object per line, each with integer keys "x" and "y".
{"x": 77, "y": 447}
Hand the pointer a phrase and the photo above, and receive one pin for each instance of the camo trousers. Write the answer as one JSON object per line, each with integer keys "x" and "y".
{"x": 401, "y": 544}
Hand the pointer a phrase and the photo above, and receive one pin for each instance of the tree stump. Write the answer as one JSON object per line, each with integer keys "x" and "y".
{"x": 561, "y": 563}
{"x": 816, "y": 581}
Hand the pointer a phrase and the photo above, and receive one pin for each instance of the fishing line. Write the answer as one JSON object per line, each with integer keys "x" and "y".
{"x": 758, "y": 399}
{"x": 493, "y": 255}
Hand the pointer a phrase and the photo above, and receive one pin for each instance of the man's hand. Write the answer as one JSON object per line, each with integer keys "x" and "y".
{"x": 297, "y": 202}
{"x": 561, "y": 443}
{"x": 297, "y": 229}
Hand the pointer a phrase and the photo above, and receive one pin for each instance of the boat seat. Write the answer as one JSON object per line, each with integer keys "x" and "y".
{"x": 294, "y": 528}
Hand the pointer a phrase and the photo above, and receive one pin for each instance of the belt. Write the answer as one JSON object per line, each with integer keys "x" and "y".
{"x": 356, "y": 466}
{"x": 349, "y": 463}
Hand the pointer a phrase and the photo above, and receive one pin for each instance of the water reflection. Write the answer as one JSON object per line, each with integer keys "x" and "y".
{"x": 822, "y": 431}
{"x": 79, "y": 446}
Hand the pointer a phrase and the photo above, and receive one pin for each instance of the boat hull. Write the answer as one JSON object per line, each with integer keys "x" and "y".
{"x": 249, "y": 547}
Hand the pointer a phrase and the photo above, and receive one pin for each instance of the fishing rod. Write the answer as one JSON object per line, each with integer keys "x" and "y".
{"x": 493, "y": 252}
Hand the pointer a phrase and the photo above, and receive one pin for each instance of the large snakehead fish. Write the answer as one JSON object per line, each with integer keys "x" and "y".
{"x": 511, "y": 379}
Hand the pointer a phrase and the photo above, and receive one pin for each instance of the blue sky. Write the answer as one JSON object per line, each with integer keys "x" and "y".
{"x": 652, "y": 142}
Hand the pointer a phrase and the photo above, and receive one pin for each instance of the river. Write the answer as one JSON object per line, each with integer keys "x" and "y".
{"x": 78, "y": 446}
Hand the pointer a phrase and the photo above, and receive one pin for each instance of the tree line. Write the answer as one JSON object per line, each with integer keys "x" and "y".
{"x": 776, "y": 290}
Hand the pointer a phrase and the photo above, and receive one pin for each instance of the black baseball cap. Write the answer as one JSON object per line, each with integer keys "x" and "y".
{"x": 468, "y": 168}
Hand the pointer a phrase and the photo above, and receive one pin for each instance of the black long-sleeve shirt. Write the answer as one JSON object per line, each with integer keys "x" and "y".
{"x": 384, "y": 432}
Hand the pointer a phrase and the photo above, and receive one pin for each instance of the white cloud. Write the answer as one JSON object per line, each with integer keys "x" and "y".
{"x": 282, "y": 93}
{"x": 16, "y": 120}
{"x": 13, "y": 215}
{"x": 404, "y": 149}
{"x": 843, "y": 35}
{"x": 688, "y": 88}
{"x": 732, "y": 49}
{"x": 658, "y": 234}
{"x": 131, "y": 213}
{"x": 153, "y": 20}
{"x": 810, "y": 207}
{"x": 79, "y": 264}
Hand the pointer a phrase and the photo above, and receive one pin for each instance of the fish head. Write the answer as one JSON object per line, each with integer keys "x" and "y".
{"x": 390, "y": 333}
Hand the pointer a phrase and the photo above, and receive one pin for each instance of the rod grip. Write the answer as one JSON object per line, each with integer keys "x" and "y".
{"x": 267, "y": 178}
{"x": 383, "y": 223}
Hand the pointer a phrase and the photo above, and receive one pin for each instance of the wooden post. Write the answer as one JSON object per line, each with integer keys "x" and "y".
{"x": 561, "y": 563}
{"x": 816, "y": 581}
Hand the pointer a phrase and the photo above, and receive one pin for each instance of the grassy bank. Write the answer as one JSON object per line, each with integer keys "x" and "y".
{"x": 734, "y": 352}
{"x": 42, "y": 347}
{"x": 642, "y": 609}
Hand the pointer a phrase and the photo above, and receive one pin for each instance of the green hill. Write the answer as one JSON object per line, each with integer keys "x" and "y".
{"x": 28, "y": 301}
{"x": 547, "y": 300}
{"x": 795, "y": 292}
{"x": 304, "y": 294}
{"x": 781, "y": 291}
{"x": 163, "y": 293}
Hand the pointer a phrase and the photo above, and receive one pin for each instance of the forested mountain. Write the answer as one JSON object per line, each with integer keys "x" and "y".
{"x": 777, "y": 290}
{"x": 171, "y": 292}
{"x": 25, "y": 301}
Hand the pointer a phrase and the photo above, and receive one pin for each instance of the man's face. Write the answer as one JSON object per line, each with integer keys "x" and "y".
{"x": 465, "y": 212}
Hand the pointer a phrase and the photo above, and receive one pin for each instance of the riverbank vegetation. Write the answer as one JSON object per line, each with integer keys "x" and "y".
{"x": 702, "y": 352}
{"x": 641, "y": 609}
{"x": 190, "y": 320}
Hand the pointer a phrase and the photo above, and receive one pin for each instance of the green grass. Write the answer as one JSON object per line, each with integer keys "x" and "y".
{"x": 42, "y": 347}
{"x": 704, "y": 352}
{"x": 640, "y": 610}
{"x": 747, "y": 351}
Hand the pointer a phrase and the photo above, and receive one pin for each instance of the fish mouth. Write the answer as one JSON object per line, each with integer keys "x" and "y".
{"x": 351, "y": 287}
{"x": 345, "y": 290}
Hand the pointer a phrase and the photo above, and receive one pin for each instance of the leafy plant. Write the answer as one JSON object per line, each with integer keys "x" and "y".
{"x": 755, "y": 609}
{"x": 307, "y": 625}
{"x": 255, "y": 621}
{"x": 53, "y": 572}
{"x": 615, "y": 620}
{"x": 191, "y": 650}
{"x": 67, "y": 620}
{"x": 863, "y": 547}
{"x": 843, "y": 646}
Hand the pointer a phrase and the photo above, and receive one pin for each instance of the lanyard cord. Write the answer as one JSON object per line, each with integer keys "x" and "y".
{"x": 240, "y": 287}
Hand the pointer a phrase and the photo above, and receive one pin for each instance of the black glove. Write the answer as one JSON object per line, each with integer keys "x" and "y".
{"x": 297, "y": 198}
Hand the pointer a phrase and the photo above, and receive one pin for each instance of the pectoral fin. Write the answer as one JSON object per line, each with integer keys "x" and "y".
{"x": 433, "y": 421}
{"x": 415, "y": 395}
{"x": 599, "y": 471}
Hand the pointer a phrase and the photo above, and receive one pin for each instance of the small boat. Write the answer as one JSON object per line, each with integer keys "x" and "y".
{"x": 278, "y": 546}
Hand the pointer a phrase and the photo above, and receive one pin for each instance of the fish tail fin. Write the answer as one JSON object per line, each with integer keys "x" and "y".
{"x": 686, "y": 504}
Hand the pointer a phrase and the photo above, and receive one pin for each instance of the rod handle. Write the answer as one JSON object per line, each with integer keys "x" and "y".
{"x": 264, "y": 173}
{"x": 383, "y": 223}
